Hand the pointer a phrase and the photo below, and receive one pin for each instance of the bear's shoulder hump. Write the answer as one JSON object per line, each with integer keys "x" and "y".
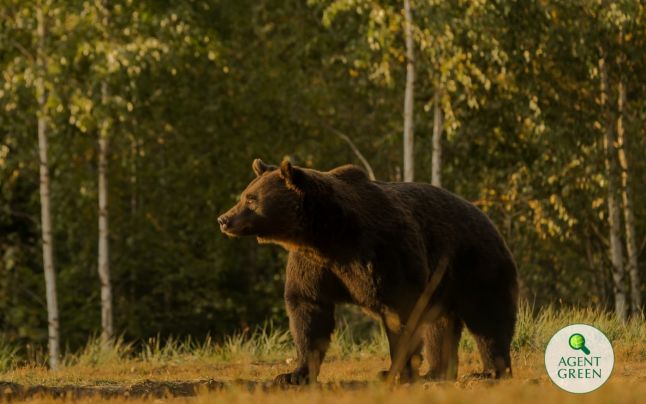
{"x": 349, "y": 173}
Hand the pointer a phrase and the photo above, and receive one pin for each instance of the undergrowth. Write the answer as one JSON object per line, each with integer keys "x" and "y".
{"x": 350, "y": 340}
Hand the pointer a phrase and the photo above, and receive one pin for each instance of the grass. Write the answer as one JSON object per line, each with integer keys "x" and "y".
{"x": 8, "y": 355}
{"x": 355, "y": 355}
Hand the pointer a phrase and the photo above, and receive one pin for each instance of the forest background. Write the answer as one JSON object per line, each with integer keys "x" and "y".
{"x": 126, "y": 127}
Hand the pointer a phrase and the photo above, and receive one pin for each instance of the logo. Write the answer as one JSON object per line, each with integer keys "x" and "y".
{"x": 579, "y": 358}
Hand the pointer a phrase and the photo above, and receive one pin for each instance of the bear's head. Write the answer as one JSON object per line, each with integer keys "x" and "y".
{"x": 269, "y": 208}
{"x": 293, "y": 206}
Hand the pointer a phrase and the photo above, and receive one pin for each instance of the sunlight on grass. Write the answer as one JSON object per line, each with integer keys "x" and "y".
{"x": 271, "y": 344}
{"x": 242, "y": 365}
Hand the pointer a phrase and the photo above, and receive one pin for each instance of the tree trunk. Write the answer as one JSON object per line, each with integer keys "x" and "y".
{"x": 107, "y": 330}
{"x": 632, "y": 267}
{"x": 409, "y": 139}
{"x": 598, "y": 288}
{"x": 614, "y": 219}
{"x": 134, "y": 227}
{"x": 45, "y": 211}
{"x": 436, "y": 167}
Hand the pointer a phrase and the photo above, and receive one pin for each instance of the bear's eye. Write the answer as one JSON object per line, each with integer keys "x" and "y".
{"x": 250, "y": 200}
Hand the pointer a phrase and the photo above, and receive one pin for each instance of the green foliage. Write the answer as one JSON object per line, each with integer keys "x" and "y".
{"x": 197, "y": 89}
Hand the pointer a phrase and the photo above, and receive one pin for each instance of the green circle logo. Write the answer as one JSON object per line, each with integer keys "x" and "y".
{"x": 579, "y": 358}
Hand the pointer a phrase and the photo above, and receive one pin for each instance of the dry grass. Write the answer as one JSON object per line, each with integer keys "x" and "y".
{"x": 529, "y": 385}
{"x": 245, "y": 363}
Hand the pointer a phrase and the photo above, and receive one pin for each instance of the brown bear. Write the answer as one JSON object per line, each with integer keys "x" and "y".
{"x": 377, "y": 244}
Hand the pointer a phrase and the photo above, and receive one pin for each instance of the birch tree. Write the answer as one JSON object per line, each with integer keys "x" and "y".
{"x": 632, "y": 267}
{"x": 614, "y": 214}
{"x": 436, "y": 158}
{"x": 46, "y": 220}
{"x": 107, "y": 328}
{"x": 409, "y": 96}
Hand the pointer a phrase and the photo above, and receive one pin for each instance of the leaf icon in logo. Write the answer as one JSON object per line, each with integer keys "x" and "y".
{"x": 577, "y": 342}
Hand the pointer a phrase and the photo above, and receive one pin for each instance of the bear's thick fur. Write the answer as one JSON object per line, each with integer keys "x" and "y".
{"x": 376, "y": 244}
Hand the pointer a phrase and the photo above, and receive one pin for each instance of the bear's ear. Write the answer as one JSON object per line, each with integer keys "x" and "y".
{"x": 260, "y": 168}
{"x": 294, "y": 176}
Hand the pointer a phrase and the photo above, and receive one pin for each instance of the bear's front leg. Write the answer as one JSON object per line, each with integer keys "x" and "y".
{"x": 311, "y": 324}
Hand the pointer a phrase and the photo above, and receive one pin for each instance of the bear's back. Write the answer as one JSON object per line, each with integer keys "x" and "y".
{"x": 447, "y": 219}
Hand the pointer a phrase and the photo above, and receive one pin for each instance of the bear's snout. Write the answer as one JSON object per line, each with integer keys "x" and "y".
{"x": 223, "y": 221}
{"x": 232, "y": 224}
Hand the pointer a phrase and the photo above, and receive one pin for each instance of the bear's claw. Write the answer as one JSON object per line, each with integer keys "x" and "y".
{"x": 294, "y": 379}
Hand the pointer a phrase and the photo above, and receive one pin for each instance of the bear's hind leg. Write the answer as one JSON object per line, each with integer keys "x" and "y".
{"x": 311, "y": 325}
{"x": 496, "y": 358}
{"x": 410, "y": 371}
{"x": 441, "y": 340}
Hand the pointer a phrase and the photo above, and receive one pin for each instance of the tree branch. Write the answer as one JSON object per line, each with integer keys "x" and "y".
{"x": 355, "y": 150}
{"x": 599, "y": 234}
{"x": 22, "y": 50}
{"x": 23, "y": 215}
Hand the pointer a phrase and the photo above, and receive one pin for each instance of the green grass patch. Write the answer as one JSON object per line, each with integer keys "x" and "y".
{"x": 355, "y": 337}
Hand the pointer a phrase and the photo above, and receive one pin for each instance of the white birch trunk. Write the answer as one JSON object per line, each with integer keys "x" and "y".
{"x": 45, "y": 211}
{"x": 632, "y": 267}
{"x": 438, "y": 124}
{"x": 614, "y": 218}
{"x": 107, "y": 329}
{"x": 409, "y": 139}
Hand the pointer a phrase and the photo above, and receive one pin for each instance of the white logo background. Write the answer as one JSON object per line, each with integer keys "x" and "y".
{"x": 559, "y": 347}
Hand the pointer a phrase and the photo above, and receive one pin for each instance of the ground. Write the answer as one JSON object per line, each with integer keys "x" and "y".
{"x": 240, "y": 367}
{"x": 341, "y": 381}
